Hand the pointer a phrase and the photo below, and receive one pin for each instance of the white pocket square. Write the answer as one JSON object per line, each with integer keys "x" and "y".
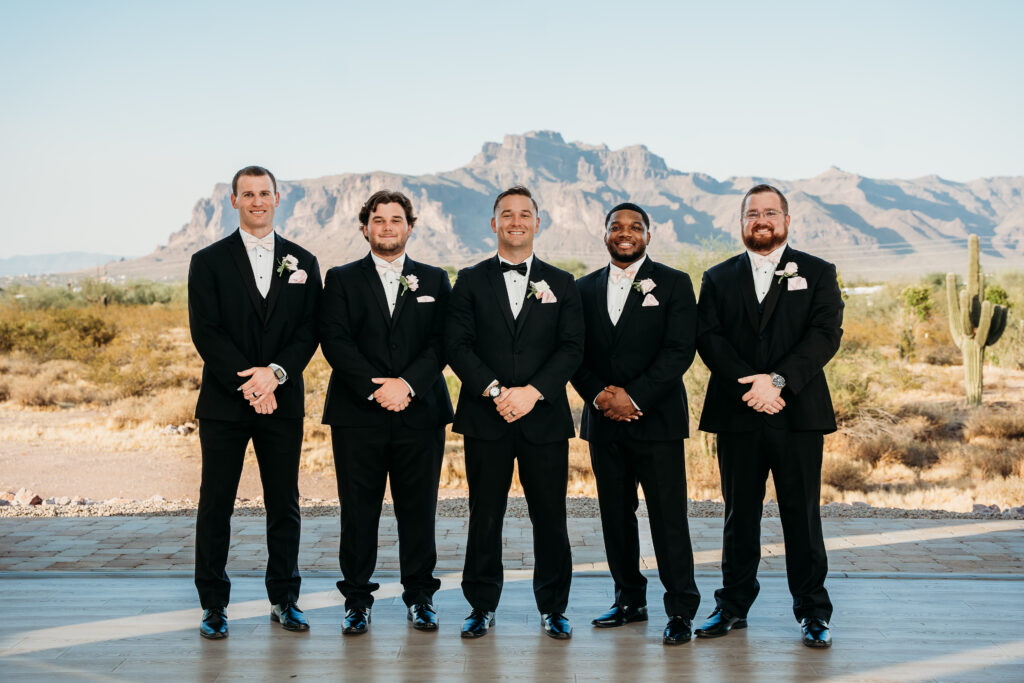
{"x": 797, "y": 283}
{"x": 424, "y": 299}
{"x": 649, "y": 300}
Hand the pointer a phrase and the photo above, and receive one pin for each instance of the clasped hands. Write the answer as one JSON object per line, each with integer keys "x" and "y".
{"x": 764, "y": 397}
{"x": 259, "y": 390}
{"x": 393, "y": 393}
{"x": 515, "y": 402}
{"x": 616, "y": 405}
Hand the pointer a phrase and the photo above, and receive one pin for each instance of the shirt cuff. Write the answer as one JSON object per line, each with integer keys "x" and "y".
{"x": 494, "y": 382}
{"x": 275, "y": 367}
{"x": 411, "y": 392}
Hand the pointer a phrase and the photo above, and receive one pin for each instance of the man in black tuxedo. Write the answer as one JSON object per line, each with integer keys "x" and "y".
{"x": 514, "y": 336}
{"x": 641, "y": 320}
{"x": 769, "y": 321}
{"x": 381, "y": 328}
{"x": 252, "y": 300}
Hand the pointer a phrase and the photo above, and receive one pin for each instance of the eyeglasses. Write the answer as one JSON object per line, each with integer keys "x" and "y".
{"x": 770, "y": 214}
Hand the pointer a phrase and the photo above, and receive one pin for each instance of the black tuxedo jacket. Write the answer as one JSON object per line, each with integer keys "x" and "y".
{"x": 361, "y": 339}
{"x": 797, "y": 333}
{"x": 542, "y": 347}
{"x": 646, "y": 352}
{"x": 234, "y": 328}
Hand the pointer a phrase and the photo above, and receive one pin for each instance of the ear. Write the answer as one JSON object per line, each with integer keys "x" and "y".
{"x": 494, "y": 226}
{"x": 234, "y": 202}
{"x": 787, "y": 221}
{"x": 277, "y": 199}
{"x": 536, "y": 228}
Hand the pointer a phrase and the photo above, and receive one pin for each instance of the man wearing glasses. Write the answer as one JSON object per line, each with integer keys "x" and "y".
{"x": 768, "y": 322}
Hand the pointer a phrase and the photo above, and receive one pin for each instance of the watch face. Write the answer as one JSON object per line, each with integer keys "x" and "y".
{"x": 495, "y": 392}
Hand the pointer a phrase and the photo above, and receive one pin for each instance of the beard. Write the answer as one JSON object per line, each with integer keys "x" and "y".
{"x": 388, "y": 246}
{"x": 765, "y": 242}
{"x": 627, "y": 255}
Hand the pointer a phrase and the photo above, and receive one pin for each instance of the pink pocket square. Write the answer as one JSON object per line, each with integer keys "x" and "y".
{"x": 796, "y": 283}
{"x": 297, "y": 278}
{"x": 649, "y": 300}
{"x": 424, "y": 299}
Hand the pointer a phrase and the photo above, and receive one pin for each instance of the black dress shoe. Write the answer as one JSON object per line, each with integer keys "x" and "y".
{"x": 477, "y": 623}
{"x": 678, "y": 630}
{"x": 619, "y": 615}
{"x": 815, "y": 632}
{"x": 214, "y": 624}
{"x": 289, "y": 616}
{"x": 423, "y": 616}
{"x": 556, "y": 625}
{"x": 720, "y": 623}
{"x": 357, "y": 620}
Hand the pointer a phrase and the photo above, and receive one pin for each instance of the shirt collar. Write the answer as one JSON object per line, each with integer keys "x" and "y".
{"x": 776, "y": 252}
{"x": 528, "y": 261}
{"x": 638, "y": 264}
{"x": 377, "y": 260}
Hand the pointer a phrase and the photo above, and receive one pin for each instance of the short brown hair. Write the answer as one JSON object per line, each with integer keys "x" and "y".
{"x": 254, "y": 171}
{"x": 386, "y": 197}
{"x": 760, "y": 189}
{"x": 520, "y": 190}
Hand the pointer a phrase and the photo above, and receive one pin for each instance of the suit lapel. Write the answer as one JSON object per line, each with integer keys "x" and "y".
{"x": 601, "y": 303}
{"x": 634, "y": 298}
{"x": 772, "y": 297}
{"x": 241, "y": 259}
{"x": 408, "y": 269}
{"x": 497, "y": 281}
{"x": 535, "y": 274}
{"x": 276, "y": 281}
{"x": 376, "y": 287}
{"x": 746, "y": 279}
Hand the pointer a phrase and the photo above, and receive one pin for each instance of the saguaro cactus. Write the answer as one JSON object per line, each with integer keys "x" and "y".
{"x": 974, "y": 323}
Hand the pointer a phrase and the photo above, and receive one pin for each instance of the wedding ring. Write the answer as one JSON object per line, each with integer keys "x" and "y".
{"x": 255, "y": 395}
{"x": 512, "y": 413}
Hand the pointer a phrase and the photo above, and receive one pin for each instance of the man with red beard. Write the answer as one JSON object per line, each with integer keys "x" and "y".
{"x": 641, "y": 326}
{"x": 769, "y": 321}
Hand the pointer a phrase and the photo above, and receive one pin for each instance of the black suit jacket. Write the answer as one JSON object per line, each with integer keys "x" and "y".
{"x": 795, "y": 336}
{"x": 361, "y": 340}
{"x": 646, "y": 353}
{"x": 542, "y": 347}
{"x": 234, "y": 329}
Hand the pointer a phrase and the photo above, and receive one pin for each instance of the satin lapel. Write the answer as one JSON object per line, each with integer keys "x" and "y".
{"x": 408, "y": 269}
{"x": 634, "y": 299}
{"x": 772, "y": 297}
{"x": 536, "y": 274}
{"x": 276, "y": 282}
{"x": 237, "y": 248}
{"x": 376, "y": 286}
{"x": 601, "y": 298}
{"x": 746, "y": 279}
{"x": 497, "y": 281}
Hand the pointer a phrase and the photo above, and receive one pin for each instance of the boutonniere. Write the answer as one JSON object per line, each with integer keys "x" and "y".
{"x": 409, "y": 283}
{"x": 289, "y": 263}
{"x": 787, "y": 272}
{"x": 542, "y": 290}
{"x": 644, "y": 286}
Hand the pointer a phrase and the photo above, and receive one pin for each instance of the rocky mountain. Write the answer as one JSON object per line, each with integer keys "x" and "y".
{"x": 867, "y": 226}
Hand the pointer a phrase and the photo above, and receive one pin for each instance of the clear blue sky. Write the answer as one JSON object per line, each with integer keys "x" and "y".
{"x": 115, "y": 117}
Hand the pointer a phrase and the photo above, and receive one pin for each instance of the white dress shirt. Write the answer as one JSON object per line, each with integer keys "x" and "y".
{"x": 763, "y": 275}
{"x": 618, "y": 288}
{"x": 517, "y": 285}
{"x": 262, "y": 262}
{"x": 389, "y": 279}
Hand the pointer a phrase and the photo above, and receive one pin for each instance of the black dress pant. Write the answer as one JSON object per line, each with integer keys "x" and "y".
{"x": 364, "y": 459}
{"x": 794, "y": 459}
{"x": 544, "y": 474}
{"x": 658, "y": 466}
{"x": 277, "y": 442}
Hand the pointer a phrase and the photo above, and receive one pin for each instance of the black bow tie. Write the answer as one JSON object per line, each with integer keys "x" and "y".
{"x": 519, "y": 268}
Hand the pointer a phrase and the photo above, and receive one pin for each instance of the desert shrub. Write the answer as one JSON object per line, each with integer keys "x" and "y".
{"x": 575, "y": 267}
{"x": 882, "y": 436}
{"x": 850, "y": 385}
{"x": 918, "y": 300}
{"x": 454, "y": 386}
{"x": 702, "y": 476}
{"x": 5, "y": 390}
{"x": 997, "y": 295}
{"x": 68, "y": 334}
{"x": 986, "y": 461}
{"x": 994, "y": 423}
{"x": 843, "y": 473}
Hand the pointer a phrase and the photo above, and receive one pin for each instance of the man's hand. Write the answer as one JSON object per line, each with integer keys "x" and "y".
{"x": 262, "y": 381}
{"x": 764, "y": 397}
{"x": 393, "y": 393}
{"x": 265, "y": 404}
{"x": 616, "y": 405}
{"x": 516, "y": 402}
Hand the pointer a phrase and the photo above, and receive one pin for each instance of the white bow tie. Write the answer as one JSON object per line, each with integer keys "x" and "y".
{"x": 772, "y": 258}
{"x": 619, "y": 274}
{"x": 393, "y": 267}
{"x": 262, "y": 242}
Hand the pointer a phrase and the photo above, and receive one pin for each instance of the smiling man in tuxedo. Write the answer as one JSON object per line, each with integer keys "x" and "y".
{"x": 381, "y": 328}
{"x": 769, "y": 321}
{"x": 514, "y": 336}
{"x": 641, "y": 319}
{"x": 252, "y": 300}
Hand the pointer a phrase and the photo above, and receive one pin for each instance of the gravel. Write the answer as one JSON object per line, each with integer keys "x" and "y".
{"x": 459, "y": 507}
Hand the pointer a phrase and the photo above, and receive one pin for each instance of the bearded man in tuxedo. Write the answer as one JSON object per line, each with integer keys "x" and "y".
{"x": 514, "y": 336}
{"x": 769, "y": 321}
{"x": 381, "y": 329}
{"x": 252, "y": 300}
{"x": 641, "y": 320}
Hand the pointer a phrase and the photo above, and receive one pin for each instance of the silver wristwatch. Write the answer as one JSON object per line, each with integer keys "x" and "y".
{"x": 778, "y": 381}
{"x": 495, "y": 391}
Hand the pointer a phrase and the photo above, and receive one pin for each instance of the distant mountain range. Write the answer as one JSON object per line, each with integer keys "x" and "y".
{"x": 867, "y": 226}
{"x": 40, "y": 264}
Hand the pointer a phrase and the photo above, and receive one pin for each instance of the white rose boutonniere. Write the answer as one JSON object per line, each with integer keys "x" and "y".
{"x": 542, "y": 290}
{"x": 289, "y": 263}
{"x": 787, "y": 272}
{"x": 644, "y": 286}
{"x": 409, "y": 283}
